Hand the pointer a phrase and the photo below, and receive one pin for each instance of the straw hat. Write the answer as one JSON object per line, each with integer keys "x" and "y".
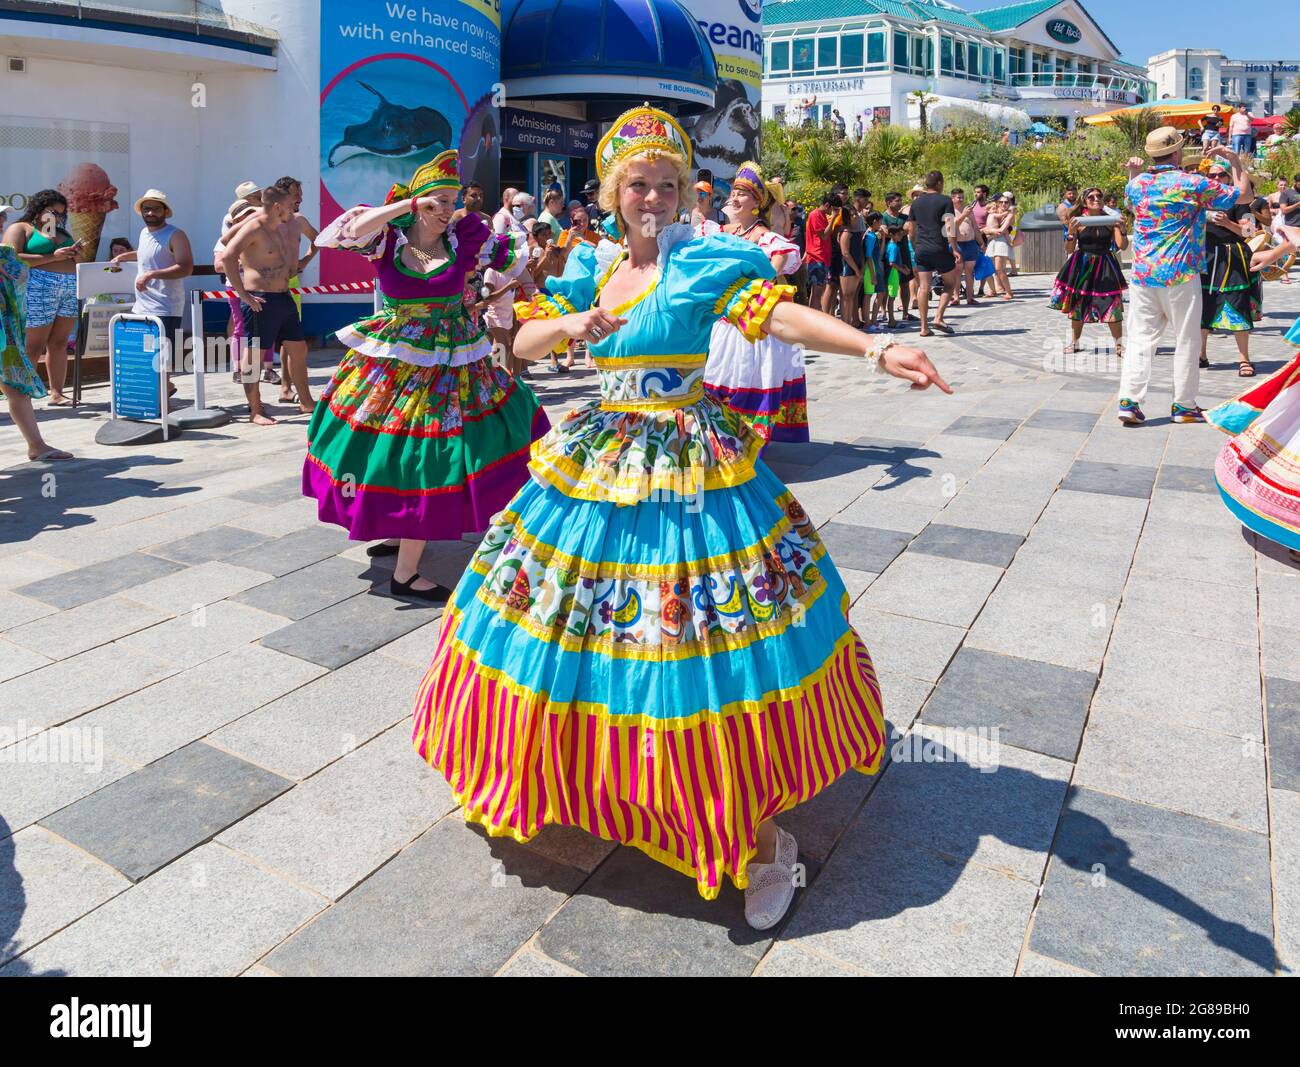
{"x": 155, "y": 194}
{"x": 239, "y": 209}
{"x": 244, "y": 189}
{"x": 1164, "y": 141}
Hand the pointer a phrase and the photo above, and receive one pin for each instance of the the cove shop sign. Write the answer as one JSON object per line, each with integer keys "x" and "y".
{"x": 1065, "y": 32}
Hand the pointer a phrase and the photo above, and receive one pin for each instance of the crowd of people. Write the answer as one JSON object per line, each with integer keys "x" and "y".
{"x": 600, "y": 615}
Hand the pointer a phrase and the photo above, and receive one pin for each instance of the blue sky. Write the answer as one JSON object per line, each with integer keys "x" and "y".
{"x": 1142, "y": 28}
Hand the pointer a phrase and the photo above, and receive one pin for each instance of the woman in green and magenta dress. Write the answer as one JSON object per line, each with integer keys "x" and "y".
{"x": 419, "y": 436}
{"x": 651, "y": 641}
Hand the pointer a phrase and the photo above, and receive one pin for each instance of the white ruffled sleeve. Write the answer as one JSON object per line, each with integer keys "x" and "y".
{"x": 783, "y": 252}
{"x": 339, "y": 234}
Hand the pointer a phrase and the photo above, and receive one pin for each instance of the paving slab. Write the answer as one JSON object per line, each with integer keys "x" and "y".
{"x": 18, "y": 610}
{"x": 983, "y": 426}
{"x": 960, "y": 542}
{"x": 1068, "y": 627}
{"x": 85, "y": 627}
{"x": 1064, "y": 420}
{"x": 205, "y": 633}
{"x": 466, "y": 903}
{"x": 1110, "y": 479}
{"x": 16, "y": 660}
{"x": 217, "y": 543}
{"x": 211, "y": 913}
{"x": 635, "y": 916}
{"x": 1283, "y": 696}
{"x": 788, "y": 961}
{"x": 149, "y": 723}
{"x": 862, "y": 548}
{"x": 1032, "y": 704}
{"x": 1187, "y": 479}
{"x": 84, "y": 584}
{"x": 53, "y": 768}
{"x": 937, "y": 588}
{"x": 913, "y": 647}
{"x": 50, "y": 885}
{"x": 1129, "y": 892}
{"x": 325, "y": 719}
{"x": 304, "y": 592}
{"x": 146, "y": 819}
{"x": 1176, "y": 767}
{"x": 1032, "y": 965}
{"x": 1168, "y": 677}
{"x": 1152, "y": 600}
{"x": 332, "y": 831}
{"x": 83, "y": 682}
{"x": 1285, "y": 811}
{"x": 880, "y": 901}
{"x": 196, "y": 586}
{"x": 960, "y": 791}
{"x": 293, "y": 551}
{"x": 532, "y": 964}
{"x": 271, "y": 493}
{"x": 349, "y": 629}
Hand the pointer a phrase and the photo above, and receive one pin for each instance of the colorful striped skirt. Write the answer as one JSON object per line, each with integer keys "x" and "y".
{"x": 1090, "y": 288}
{"x": 762, "y": 381}
{"x": 667, "y": 673}
{"x": 1258, "y": 470}
{"x": 426, "y": 453}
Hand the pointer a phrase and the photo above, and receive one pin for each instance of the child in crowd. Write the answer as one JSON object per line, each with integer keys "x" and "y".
{"x": 898, "y": 254}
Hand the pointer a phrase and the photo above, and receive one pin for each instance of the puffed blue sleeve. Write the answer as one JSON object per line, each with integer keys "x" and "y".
{"x": 723, "y": 277}
{"x": 566, "y": 293}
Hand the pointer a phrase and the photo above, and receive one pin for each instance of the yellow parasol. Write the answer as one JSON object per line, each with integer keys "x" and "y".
{"x": 1181, "y": 113}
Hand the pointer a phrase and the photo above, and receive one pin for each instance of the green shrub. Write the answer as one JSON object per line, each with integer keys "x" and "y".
{"x": 986, "y": 163}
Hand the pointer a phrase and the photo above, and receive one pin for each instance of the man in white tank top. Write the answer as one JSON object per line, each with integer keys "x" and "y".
{"x": 164, "y": 261}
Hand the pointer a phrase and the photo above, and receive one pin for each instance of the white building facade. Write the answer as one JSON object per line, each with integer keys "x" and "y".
{"x": 1047, "y": 59}
{"x": 1265, "y": 86}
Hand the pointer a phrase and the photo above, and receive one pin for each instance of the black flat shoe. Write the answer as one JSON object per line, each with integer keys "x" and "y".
{"x": 437, "y": 595}
{"x": 381, "y": 549}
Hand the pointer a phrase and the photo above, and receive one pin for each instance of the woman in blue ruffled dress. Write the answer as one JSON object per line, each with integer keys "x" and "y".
{"x": 651, "y": 641}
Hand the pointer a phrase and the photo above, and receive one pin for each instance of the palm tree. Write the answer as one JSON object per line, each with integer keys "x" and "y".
{"x": 923, "y": 99}
{"x": 1133, "y": 127}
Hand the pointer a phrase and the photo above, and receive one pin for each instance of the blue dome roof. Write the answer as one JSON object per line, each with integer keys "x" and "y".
{"x": 606, "y": 48}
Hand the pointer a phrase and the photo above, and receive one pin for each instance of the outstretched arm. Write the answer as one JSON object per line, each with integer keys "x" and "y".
{"x": 537, "y": 337}
{"x": 796, "y": 324}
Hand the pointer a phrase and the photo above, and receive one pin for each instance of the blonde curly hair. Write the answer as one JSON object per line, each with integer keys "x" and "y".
{"x": 611, "y": 183}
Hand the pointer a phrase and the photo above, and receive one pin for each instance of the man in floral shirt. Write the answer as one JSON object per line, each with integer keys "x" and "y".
{"x": 1168, "y": 256}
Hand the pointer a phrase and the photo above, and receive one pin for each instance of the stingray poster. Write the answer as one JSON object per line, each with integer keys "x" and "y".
{"x": 726, "y": 135}
{"x": 401, "y": 82}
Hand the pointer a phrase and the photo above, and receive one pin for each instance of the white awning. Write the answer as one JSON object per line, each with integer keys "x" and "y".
{"x": 1009, "y": 117}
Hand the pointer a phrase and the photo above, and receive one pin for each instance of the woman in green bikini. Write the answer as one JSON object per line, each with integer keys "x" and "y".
{"x": 45, "y": 247}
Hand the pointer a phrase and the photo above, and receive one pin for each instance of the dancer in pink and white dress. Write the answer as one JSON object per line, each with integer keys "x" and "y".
{"x": 757, "y": 376}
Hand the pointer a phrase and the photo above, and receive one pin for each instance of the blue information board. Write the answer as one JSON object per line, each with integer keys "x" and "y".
{"x": 137, "y": 390}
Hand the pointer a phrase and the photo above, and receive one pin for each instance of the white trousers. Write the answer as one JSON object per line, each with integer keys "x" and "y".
{"x": 1150, "y": 309}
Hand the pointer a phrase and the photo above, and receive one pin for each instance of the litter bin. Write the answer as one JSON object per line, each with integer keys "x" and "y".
{"x": 1043, "y": 249}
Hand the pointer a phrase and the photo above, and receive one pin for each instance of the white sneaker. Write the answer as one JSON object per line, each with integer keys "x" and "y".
{"x": 771, "y": 885}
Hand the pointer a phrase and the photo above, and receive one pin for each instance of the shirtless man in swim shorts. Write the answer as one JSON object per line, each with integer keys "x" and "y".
{"x": 266, "y": 249}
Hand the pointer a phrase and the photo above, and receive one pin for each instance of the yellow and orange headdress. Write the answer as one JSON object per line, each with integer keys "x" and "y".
{"x": 749, "y": 175}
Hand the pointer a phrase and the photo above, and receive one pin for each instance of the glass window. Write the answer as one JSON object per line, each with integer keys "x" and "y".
{"x": 998, "y": 68}
{"x": 1250, "y": 86}
{"x": 973, "y": 59}
{"x": 900, "y": 50}
{"x": 875, "y": 48}
{"x": 1016, "y": 58}
{"x": 803, "y": 54}
{"x": 1277, "y": 85}
{"x": 960, "y": 57}
{"x": 945, "y": 54}
{"x": 778, "y": 113}
{"x": 986, "y": 62}
{"x": 851, "y": 52}
{"x": 1196, "y": 78}
{"x": 1225, "y": 87}
{"x": 918, "y": 53}
{"x": 780, "y": 56}
{"x": 827, "y": 48}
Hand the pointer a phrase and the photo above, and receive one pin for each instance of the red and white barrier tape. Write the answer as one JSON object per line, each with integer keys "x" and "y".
{"x": 303, "y": 290}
